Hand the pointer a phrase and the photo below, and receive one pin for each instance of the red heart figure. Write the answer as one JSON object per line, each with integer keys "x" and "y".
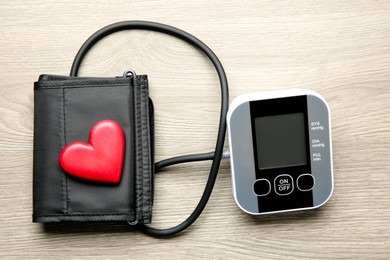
{"x": 101, "y": 159}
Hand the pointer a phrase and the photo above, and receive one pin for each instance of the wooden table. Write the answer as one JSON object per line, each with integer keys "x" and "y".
{"x": 340, "y": 49}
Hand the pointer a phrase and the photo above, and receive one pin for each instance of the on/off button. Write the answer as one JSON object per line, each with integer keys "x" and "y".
{"x": 284, "y": 184}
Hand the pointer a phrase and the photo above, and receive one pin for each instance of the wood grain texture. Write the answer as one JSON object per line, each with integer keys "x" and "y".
{"x": 340, "y": 49}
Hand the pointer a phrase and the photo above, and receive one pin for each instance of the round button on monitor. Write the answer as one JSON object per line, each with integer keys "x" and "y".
{"x": 305, "y": 182}
{"x": 284, "y": 184}
{"x": 262, "y": 187}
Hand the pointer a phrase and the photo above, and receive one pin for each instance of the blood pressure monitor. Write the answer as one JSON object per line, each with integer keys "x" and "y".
{"x": 280, "y": 151}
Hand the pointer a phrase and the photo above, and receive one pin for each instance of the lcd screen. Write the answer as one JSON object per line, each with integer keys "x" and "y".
{"x": 280, "y": 141}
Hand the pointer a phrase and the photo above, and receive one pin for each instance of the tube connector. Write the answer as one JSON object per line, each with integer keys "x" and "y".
{"x": 226, "y": 155}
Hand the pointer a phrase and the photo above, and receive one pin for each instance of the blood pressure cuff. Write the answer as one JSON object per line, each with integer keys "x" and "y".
{"x": 66, "y": 109}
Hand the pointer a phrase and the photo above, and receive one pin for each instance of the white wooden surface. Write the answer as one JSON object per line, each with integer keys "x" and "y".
{"x": 340, "y": 49}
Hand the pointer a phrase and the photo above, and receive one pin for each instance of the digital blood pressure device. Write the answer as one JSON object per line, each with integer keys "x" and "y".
{"x": 280, "y": 146}
{"x": 280, "y": 151}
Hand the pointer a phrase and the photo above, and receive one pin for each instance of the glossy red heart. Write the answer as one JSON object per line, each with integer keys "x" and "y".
{"x": 101, "y": 159}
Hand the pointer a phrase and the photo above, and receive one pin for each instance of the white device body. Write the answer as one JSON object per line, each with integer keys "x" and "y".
{"x": 280, "y": 151}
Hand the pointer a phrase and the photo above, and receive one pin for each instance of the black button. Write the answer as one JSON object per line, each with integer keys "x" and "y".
{"x": 305, "y": 182}
{"x": 262, "y": 187}
{"x": 284, "y": 184}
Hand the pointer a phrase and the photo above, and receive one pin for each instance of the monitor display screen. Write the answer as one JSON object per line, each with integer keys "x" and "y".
{"x": 280, "y": 141}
